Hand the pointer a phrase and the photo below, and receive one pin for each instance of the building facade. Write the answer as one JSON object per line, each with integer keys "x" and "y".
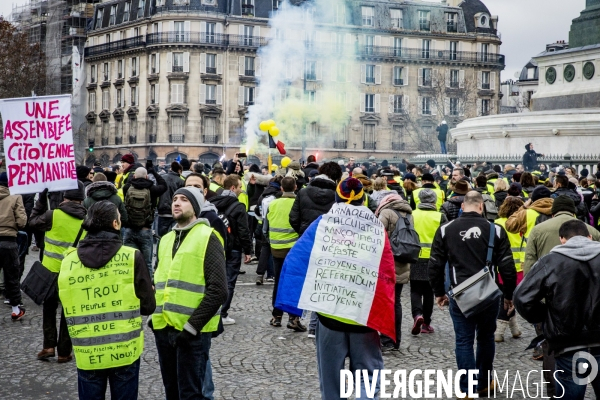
{"x": 176, "y": 77}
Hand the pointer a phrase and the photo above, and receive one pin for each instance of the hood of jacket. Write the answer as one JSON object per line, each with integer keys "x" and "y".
{"x": 223, "y": 202}
{"x": 141, "y": 183}
{"x": 493, "y": 175}
{"x": 208, "y": 206}
{"x": 100, "y": 190}
{"x": 397, "y": 205}
{"x": 579, "y": 248}
{"x": 270, "y": 191}
{"x": 73, "y": 209}
{"x": 457, "y": 199}
{"x": 543, "y": 206}
{"x": 96, "y": 249}
{"x": 321, "y": 191}
{"x": 4, "y": 192}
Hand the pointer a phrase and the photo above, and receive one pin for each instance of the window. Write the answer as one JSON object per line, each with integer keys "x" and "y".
{"x": 313, "y": 130}
{"x": 211, "y": 29}
{"x": 310, "y": 39}
{"x": 134, "y": 66}
{"x": 530, "y": 73}
{"x": 485, "y": 48}
{"x": 311, "y": 70}
{"x": 210, "y": 130}
{"x": 177, "y": 93}
{"x": 369, "y": 137}
{"x": 211, "y": 94}
{"x": 106, "y": 72}
{"x": 369, "y": 103}
{"x": 248, "y": 35}
{"x": 142, "y": 6}
{"x": 177, "y": 62}
{"x": 155, "y": 28}
{"x": 99, "y": 17}
{"x": 120, "y": 69}
{"x": 177, "y": 129}
{"x": 370, "y": 73}
{"x": 277, "y": 4}
{"x": 398, "y": 76}
{"x": 424, "y": 21}
{"x": 453, "y": 51}
{"x": 107, "y": 38}
{"x": 341, "y": 72}
{"x": 454, "y": 104}
{"x": 454, "y": 78}
{"x": 248, "y": 96}
{"x": 153, "y": 99}
{"x": 134, "y": 96}
{"x": 340, "y": 14}
{"x": 425, "y": 47}
{"x": 483, "y": 21}
{"x": 369, "y": 42}
{"x": 93, "y": 74}
{"x": 398, "y": 137}
{"x": 247, "y": 7}
{"x": 311, "y": 97}
{"x": 367, "y": 16}
{"x": 396, "y": 16}
{"x": 180, "y": 2}
{"x": 113, "y": 15}
{"x": 341, "y": 138}
{"x": 398, "y": 108}
{"x": 485, "y": 107}
{"x": 105, "y": 99}
{"x": 426, "y": 105}
{"x": 249, "y": 66}
{"x": 179, "y": 27}
{"x": 119, "y": 98}
{"x": 153, "y": 62}
{"x": 398, "y": 47}
{"x": 126, "y": 11}
{"x": 485, "y": 80}
{"x": 136, "y": 32}
{"x": 451, "y": 24}
{"x": 211, "y": 63}
{"x": 133, "y": 129}
{"x": 92, "y": 101}
{"x": 425, "y": 77}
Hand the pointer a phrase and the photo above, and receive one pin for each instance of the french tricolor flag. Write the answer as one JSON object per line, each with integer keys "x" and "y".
{"x": 342, "y": 266}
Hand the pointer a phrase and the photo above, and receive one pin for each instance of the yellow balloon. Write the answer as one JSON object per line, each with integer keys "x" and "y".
{"x": 264, "y": 126}
{"x": 274, "y": 167}
{"x": 285, "y": 161}
{"x": 274, "y": 131}
{"x": 270, "y": 124}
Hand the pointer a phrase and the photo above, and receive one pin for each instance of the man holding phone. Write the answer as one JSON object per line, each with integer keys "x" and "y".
{"x": 141, "y": 198}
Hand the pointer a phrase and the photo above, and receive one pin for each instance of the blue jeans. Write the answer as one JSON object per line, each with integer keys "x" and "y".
{"x": 123, "y": 382}
{"x": 443, "y": 147}
{"x": 363, "y": 349}
{"x": 141, "y": 239}
{"x": 183, "y": 368}
{"x": 572, "y": 390}
{"x": 208, "y": 388}
{"x": 482, "y": 326}
{"x": 233, "y": 265}
{"x": 314, "y": 319}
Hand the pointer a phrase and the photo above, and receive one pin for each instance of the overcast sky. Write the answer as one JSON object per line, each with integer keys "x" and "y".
{"x": 526, "y": 26}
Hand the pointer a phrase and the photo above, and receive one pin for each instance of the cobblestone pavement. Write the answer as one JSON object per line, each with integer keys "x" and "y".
{"x": 251, "y": 360}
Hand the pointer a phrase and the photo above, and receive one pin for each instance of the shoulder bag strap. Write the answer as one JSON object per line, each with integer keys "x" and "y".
{"x": 491, "y": 244}
{"x": 76, "y": 242}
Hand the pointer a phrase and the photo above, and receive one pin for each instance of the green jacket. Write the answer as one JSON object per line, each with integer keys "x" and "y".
{"x": 544, "y": 237}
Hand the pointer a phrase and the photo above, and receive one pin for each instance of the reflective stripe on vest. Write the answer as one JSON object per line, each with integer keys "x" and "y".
{"x": 439, "y": 199}
{"x": 426, "y": 225}
{"x": 57, "y": 240}
{"x": 515, "y": 244}
{"x": 179, "y": 281}
{"x": 281, "y": 233}
{"x": 102, "y": 310}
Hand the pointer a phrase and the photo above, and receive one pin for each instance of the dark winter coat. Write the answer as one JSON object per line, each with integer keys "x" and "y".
{"x": 530, "y": 157}
{"x": 452, "y": 206}
{"x": 103, "y": 190}
{"x": 442, "y": 131}
{"x": 313, "y": 201}
{"x": 500, "y": 197}
{"x": 156, "y": 190}
{"x": 238, "y": 222}
{"x": 309, "y": 168}
{"x": 174, "y": 182}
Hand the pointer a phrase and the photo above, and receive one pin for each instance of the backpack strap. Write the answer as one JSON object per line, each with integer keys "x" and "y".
{"x": 491, "y": 244}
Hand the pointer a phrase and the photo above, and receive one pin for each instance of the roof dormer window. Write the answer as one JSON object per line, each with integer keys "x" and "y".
{"x": 484, "y": 21}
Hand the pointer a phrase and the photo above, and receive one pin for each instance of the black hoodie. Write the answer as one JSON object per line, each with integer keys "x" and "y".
{"x": 102, "y": 190}
{"x": 240, "y": 235}
{"x": 311, "y": 202}
{"x": 156, "y": 190}
{"x": 530, "y": 158}
{"x": 96, "y": 250}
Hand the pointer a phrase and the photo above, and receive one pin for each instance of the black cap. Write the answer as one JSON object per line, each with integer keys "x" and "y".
{"x": 76, "y": 194}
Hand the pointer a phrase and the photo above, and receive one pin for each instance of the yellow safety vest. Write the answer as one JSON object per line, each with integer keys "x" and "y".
{"x": 515, "y": 244}
{"x": 243, "y": 197}
{"x": 366, "y": 200}
{"x": 531, "y": 217}
{"x": 214, "y": 187}
{"x": 490, "y": 185}
{"x": 439, "y": 201}
{"x": 102, "y": 310}
{"x": 121, "y": 185}
{"x": 58, "y": 240}
{"x": 179, "y": 281}
{"x": 281, "y": 233}
{"x": 426, "y": 225}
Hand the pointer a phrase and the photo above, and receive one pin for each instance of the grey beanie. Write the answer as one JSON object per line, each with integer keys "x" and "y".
{"x": 194, "y": 195}
{"x": 427, "y": 196}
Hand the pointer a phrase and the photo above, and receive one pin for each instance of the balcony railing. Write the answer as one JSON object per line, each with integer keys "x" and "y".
{"x": 248, "y": 103}
{"x": 398, "y": 82}
{"x": 211, "y": 70}
{"x": 247, "y": 41}
{"x": 152, "y": 138}
{"x": 485, "y": 86}
{"x": 426, "y": 82}
{"x": 187, "y": 37}
{"x": 369, "y": 109}
{"x": 132, "y": 139}
{"x": 397, "y": 146}
{"x": 210, "y": 139}
{"x": 398, "y": 110}
{"x": 212, "y": 101}
{"x": 118, "y": 140}
{"x": 104, "y": 141}
{"x": 311, "y": 77}
{"x": 118, "y": 45}
{"x": 370, "y": 145}
{"x": 454, "y": 84}
{"x": 424, "y": 25}
{"x": 370, "y": 79}
{"x": 177, "y": 68}
{"x": 176, "y": 138}
{"x": 249, "y": 72}
{"x": 420, "y": 54}
{"x": 340, "y": 144}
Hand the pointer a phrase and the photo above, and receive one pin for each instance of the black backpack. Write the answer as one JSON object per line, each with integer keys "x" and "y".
{"x": 405, "y": 241}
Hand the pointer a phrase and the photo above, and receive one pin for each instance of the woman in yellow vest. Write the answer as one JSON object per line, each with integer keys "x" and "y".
{"x": 508, "y": 319}
{"x": 105, "y": 288}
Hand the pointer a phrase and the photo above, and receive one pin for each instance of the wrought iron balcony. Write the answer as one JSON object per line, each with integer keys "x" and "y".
{"x": 211, "y": 70}
{"x": 397, "y": 146}
{"x": 398, "y": 82}
{"x": 104, "y": 141}
{"x": 151, "y": 138}
{"x": 187, "y": 37}
{"x": 118, "y": 140}
{"x": 247, "y": 41}
{"x": 176, "y": 138}
{"x": 370, "y": 145}
{"x": 340, "y": 144}
{"x": 249, "y": 72}
{"x": 132, "y": 139}
{"x": 210, "y": 139}
{"x": 212, "y": 101}
{"x": 112, "y": 47}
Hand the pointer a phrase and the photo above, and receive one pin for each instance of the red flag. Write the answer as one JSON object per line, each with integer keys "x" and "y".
{"x": 280, "y": 147}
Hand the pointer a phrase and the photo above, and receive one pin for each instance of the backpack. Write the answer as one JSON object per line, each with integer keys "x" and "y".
{"x": 405, "y": 241}
{"x": 490, "y": 209}
{"x": 224, "y": 215}
{"x": 139, "y": 207}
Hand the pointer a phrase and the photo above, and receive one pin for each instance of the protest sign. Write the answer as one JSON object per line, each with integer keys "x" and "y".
{"x": 38, "y": 144}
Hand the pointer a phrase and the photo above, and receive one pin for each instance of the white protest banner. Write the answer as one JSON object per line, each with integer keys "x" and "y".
{"x": 38, "y": 144}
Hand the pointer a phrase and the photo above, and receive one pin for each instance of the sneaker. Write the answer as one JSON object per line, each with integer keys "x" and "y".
{"x": 427, "y": 329}
{"x": 416, "y": 329}
{"x": 254, "y": 260}
{"x": 228, "y": 321}
{"x": 296, "y": 325}
{"x": 270, "y": 279}
{"x": 35, "y": 248}
{"x": 259, "y": 280}
{"x": 312, "y": 334}
{"x": 242, "y": 272}
{"x": 276, "y": 322}
{"x": 17, "y": 317}
{"x": 389, "y": 347}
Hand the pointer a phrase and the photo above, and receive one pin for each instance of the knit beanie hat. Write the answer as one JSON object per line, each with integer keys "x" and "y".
{"x": 563, "y": 203}
{"x": 4, "y": 179}
{"x": 411, "y": 177}
{"x": 428, "y": 178}
{"x": 431, "y": 163}
{"x": 584, "y": 173}
{"x": 540, "y": 192}
{"x": 82, "y": 172}
{"x": 128, "y": 158}
{"x": 76, "y": 194}
{"x": 427, "y": 196}
{"x": 194, "y": 195}
{"x": 350, "y": 191}
{"x": 516, "y": 190}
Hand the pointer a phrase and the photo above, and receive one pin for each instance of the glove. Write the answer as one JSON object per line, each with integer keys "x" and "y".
{"x": 183, "y": 339}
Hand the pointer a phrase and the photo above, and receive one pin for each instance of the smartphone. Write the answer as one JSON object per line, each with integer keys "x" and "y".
{"x": 149, "y": 164}
{"x": 242, "y": 155}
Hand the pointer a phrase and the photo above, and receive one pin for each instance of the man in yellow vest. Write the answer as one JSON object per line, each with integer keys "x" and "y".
{"x": 282, "y": 237}
{"x": 127, "y": 163}
{"x": 105, "y": 288}
{"x": 427, "y": 181}
{"x": 62, "y": 226}
{"x": 427, "y": 220}
{"x": 191, "y": 285}
{"x": 216, "y": 183}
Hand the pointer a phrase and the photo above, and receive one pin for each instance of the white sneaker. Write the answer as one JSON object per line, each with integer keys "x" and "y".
{"x": 228, "y": 321}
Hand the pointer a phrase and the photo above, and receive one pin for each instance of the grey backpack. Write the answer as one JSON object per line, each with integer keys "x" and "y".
{"x": 404, "y": 241}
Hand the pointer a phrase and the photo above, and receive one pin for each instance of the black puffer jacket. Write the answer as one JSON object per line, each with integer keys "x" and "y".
{"x": 241, "y": 239}
{"x": 174, "y": 182}
{"x": 582, "y": 210}
{"x": 103, "y": 190}
{"x": 561, "y": 278}
{"x": 451, "y": 208}
{"x": 310, "y": 167}
{"x": 313, "y": 201}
